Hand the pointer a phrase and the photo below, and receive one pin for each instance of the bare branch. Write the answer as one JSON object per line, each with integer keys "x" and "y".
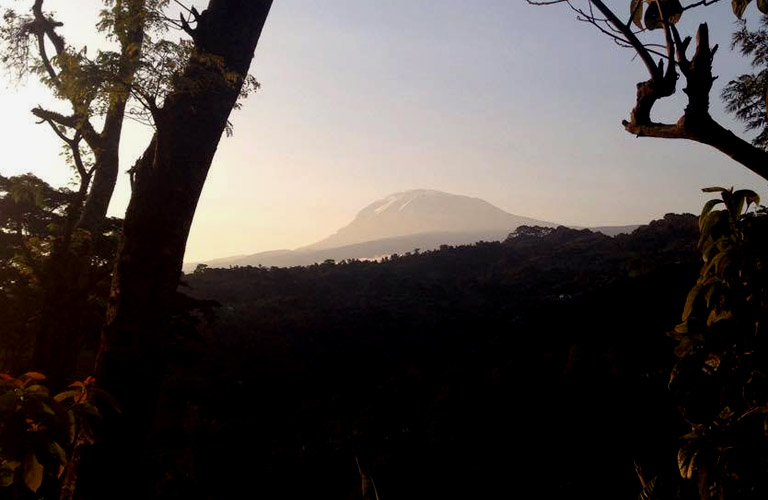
{"x": 45, "y": 28}
{"x": 75, "y": 122}
{"x": 632, "y": 14}
{"x": 696, "y": 123}
{"x": 185, "y": 26}
{"x": 74, "y": 146}
{"x": 549, "y": 2}
{"x": 698, "y": 4}
{"x": 147, "y": 100}
{"x": 58, "y": 132}
{"x": 631, "y": 37}
{"x": 190, "y": 10}
{"x": 85, "y": 175}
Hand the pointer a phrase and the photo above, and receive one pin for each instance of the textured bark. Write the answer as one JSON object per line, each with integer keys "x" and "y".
{"x": 167, "y": 185}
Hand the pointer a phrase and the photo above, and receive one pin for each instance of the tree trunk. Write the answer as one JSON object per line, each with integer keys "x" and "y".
{"x": 60, "y": 334}
{"x": 167, "y": 185}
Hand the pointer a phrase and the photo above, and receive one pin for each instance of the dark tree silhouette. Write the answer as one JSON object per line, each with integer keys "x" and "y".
{"x": 671, "y": 50}
{"x": 168, "y": 180}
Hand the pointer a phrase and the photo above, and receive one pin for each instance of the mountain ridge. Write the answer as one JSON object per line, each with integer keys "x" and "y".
{"x": 421, "y": 211}
{"x": 421, "y": 219}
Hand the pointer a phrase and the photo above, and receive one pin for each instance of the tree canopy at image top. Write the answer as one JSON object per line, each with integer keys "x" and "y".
{"x": 747, "y": 96}
{"x": 96, "y": 88}
{"x": 649, "y": 28}
{"x": 128, "y": 79}
{"x": 141, "y": 59}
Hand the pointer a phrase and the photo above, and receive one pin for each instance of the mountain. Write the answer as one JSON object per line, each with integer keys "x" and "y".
{"x": 423, "y": 211}
{"x": 367, "y": 250}
{"x": 402, "y": 222}
{"x": 399, "y": 223}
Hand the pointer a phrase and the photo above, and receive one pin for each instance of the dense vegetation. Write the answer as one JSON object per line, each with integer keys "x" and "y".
{"x": 462, "y": 372}
{"x": 469, "y": 371}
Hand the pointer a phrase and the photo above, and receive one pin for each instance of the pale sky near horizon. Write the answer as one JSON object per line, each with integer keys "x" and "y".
{"x": 515, "y": 104}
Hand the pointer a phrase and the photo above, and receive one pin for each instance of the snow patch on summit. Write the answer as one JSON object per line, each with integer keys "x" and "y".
{"x": 386, "y": 204}
{"x": 403, "y": 199}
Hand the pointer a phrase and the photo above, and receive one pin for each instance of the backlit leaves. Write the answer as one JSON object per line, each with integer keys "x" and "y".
{"x": 658, "y": 10}
{"x": 719, "y": 347}
{"x": 33, "y": 472}
{"x": 739, "y": 6}
{"x": 636, "y": 12}
{"x": 38, "y": 433}
{"x": 745, "y": 96}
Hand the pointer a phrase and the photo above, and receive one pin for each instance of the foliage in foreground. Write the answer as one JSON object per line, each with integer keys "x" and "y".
{"x": 41, "y": 436}
{"x": 720, "y": 381}
{"x": 447, "y": 373}
{"x": 33, "y": 221}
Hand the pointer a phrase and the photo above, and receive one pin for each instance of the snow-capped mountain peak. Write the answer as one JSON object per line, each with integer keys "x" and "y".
{"x": 423, "y": 211}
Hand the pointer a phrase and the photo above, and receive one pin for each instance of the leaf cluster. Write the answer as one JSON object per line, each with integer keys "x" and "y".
{"x": 745, "y": 96}
{"x": 39, "y": 432}
{"x": 33, "y": 218}
{"x": 649, "y": 14}
{"x": 31, "y": 213}
{"x": 739, "y": 6}
{"x": 719, "y": 380}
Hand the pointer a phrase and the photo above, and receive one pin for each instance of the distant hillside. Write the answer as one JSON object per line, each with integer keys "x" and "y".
{"x": 368, "y": 250}
{"x": 437, "y": 371}
{"x": 424, "y": 211}
{"x": 400, "y": 223}
{"x": 614, "y": 230}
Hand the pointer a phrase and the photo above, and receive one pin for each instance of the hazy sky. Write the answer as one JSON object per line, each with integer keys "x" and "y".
{"x": 518, "y": 105}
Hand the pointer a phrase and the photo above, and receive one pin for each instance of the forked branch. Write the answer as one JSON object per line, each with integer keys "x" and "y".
{"x": 696, "y": 123}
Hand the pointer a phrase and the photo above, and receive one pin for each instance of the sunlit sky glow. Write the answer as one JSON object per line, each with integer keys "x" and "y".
{"x": 518, "y": 105}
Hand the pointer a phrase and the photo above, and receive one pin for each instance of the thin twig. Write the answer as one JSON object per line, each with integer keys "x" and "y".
{"x": 702, "y": 2}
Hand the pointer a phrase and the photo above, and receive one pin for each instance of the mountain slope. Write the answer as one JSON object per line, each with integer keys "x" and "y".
{"x": 421, "y": 218}
{"x": 423, "y": 211}
{"x": 367, "y": 250}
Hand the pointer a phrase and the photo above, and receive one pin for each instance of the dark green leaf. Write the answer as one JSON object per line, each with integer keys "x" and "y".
{"x": 89, "y": 409}
{"x": 672, "y": 11}
{"x": 636, "y": 12}
{"x": 6, "y": 478}
{"x": 651, "y": 18}
{"x": 63, "y": 396}
{"x": 710, "y": 222}
{"x": 762, "y": 5}
{"x": 57, "y": 451}
{"x": 648, "y": 490}
{"x": 691, "y": 300}
{"x": 37, "y": 390}
{"x": 739, "y": 6}
{"x": 686, "y": 458}
{"x": 743, "y": 196}
{"x": 708, "y": 208}
{"x": 33, "y": 472}
{"x": 713, "y": 189}
{"x": 679, "y": 332}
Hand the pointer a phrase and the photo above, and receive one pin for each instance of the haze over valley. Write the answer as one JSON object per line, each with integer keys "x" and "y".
{"x": 418, "y": 219}
{"x": 544, "y": 310}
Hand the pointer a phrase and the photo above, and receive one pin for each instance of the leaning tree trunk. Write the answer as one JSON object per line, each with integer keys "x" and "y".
{"x": 167, "y": 185}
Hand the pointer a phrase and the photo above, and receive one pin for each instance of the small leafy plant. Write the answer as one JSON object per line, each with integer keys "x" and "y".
{"x": 40, "y": 434}
{"x": 720, "y": 381}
